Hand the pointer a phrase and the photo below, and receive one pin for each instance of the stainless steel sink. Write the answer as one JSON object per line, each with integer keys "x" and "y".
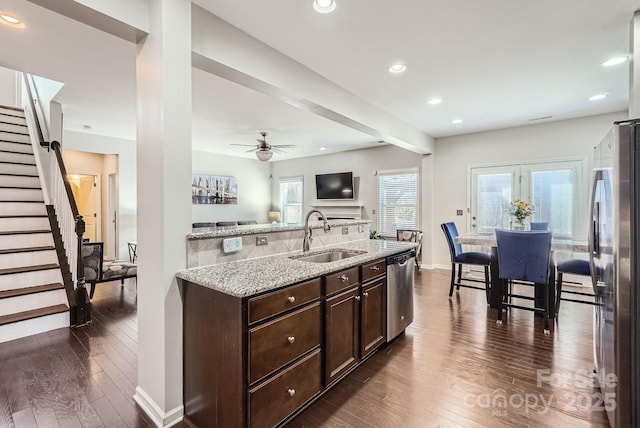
{"x": 327, "y": 256}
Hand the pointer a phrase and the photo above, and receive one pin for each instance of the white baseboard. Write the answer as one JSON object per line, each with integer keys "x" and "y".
{"x": 155, "y": 413}
{"x": 426, "y": 267}
{"x": 445, "y": 267}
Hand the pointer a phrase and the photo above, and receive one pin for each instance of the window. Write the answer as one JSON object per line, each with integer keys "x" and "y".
{"x": 291, "y": 191}
{"x": 397, "y": 201}
{"x": 554, "y": 188}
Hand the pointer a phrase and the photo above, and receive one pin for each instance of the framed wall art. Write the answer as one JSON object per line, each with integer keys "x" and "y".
{"x": 214, "y": 189}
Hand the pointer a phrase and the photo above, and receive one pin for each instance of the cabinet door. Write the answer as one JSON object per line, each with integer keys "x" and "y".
{"x": 342, "y": 333}
{"x": 373, "y": 316}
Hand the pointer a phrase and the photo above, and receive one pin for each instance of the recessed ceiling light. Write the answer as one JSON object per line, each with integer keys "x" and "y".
{"x": 614, "y": 61}
{"x": 598, "y": 97}
{"x": 434, "y": 101}
{"x": 324, "y": 6}
{"x": 10, "y": 19}
{"x": 456, "y": 121}
{"x": 397, "y": 68}
{"x": 323, "y": 148}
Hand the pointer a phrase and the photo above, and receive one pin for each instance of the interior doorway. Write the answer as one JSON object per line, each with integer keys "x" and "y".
{"x": 111, "y": 250}
{"x": 86, "y": 191}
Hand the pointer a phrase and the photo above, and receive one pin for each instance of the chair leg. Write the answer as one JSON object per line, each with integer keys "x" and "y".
{"x": 453, "y": 276}
{"x": 459, "y": 275}
{"x": 502, "y": 285}
{"x": 122, "y": 282}
{"x": 558, "y": 292}
{"x": 546, "y": 309}
{"x": 93, "y": 289}
{"x": 487, "y": 283}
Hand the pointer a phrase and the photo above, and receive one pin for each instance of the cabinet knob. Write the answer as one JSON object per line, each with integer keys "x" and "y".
{"x": 291, "y": 339}
{"x": 291, "y": 299}
{"x": 344, "y": 278}
{"x": 291, "y": 392}
{"x": 358, "y": 298}
{"x": 365, "y": 294}
{"x": 375, "y": 268}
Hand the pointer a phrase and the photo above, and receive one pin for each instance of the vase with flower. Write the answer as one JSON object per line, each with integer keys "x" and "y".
{"x": 520, "y": 210}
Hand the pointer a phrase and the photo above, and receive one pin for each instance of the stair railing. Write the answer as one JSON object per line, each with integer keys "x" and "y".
{"x": 70, "y": 223}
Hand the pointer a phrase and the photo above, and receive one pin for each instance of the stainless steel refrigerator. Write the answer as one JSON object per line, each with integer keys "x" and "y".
{"x": 614, "y": 258}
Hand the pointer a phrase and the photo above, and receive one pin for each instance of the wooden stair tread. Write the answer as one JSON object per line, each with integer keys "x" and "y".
{"x": 12, "y": 108}
{"x": 18, "y": 175}
{"x": 23, "y": 232}
{"x": 10, "y": 123}
{"x": 24, "y": 216}
{"x": 34, "y": 313}
{"x": 2, "y": 140}
{"x": 14, "y": 132}
{"x": 30, "y": 290}
{"x": 21, "y": 202}
{"x": 26, "y": 249}
{"x": 18, "y": 163}
{"x": 24, "y": 269}
{"x": 20, "y": 187}
{"x": 13, "y": 152}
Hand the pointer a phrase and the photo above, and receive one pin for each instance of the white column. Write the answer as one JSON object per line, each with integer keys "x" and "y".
{"x": 163, "y": 156}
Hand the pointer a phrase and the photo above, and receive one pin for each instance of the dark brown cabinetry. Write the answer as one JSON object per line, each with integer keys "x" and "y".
{"x": 355, "y": 319}
{"x": 256, "y": 361}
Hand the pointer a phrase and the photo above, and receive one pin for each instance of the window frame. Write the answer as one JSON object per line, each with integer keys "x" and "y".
{"x": 396, "y": 172}
{"x": 289, "y": 180}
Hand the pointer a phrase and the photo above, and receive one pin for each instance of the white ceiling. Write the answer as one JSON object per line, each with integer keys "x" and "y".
{"x": 495, "y": 63}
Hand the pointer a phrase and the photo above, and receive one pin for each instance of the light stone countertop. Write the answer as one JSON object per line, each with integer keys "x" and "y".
{"x": 250, "y": 277}
{"x": 250, "y": 229}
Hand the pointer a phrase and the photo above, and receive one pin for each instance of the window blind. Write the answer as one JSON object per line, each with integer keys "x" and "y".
{"x": 397, "y": 202}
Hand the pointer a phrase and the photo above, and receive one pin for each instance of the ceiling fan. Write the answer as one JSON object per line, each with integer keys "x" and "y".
{"x": 264, "y": 150}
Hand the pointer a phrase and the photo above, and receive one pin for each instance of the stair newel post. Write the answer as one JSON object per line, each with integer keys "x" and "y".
{"x": 83, "y": 308}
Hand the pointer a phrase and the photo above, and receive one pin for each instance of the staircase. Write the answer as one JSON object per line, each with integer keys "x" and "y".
{"x": 32, "y": 294}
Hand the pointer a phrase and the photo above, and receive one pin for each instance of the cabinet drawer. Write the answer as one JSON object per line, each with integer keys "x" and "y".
{"x": 274, "y": 400}
{"x": 278, "y": 342}
{"x": 374, "y": 269}
{"x": 279, "y": 301}
{"x": 341, "y": 280}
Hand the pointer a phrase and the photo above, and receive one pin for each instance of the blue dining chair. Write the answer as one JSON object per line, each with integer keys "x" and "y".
{"x": 458, "y": 257}
{"x": 539, "y": 225}
{"x": 524, "y": 256}
{"x": 574, "y": 267}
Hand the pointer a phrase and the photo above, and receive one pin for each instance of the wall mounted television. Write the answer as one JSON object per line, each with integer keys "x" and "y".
{"x": 335, "y": 186}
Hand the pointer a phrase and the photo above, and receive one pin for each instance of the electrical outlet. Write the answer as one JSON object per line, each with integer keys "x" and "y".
{"x": 459, "y": 212}
{"x": 262, "y": 240}
{"x": 231, "y": 245}
{"x": 373, "y": 211}
{"x": 345, "y": 230}
{"x": 360, "y": 228}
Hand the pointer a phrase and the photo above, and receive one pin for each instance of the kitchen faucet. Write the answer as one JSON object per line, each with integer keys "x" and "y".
{"x": 306, "y": 243}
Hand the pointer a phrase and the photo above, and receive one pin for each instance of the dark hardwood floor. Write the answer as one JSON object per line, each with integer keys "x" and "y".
{"x": 454, "y": 367}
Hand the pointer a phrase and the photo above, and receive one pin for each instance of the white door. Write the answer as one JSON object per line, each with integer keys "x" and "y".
{"x": 492, "y": 190}
{"x": 111, "y": 243}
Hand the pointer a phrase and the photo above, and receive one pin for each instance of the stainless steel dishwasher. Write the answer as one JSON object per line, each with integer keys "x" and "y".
{"x": 400, "y": 273}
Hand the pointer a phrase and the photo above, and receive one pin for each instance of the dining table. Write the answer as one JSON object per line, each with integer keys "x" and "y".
{"x": 489, "y": 241}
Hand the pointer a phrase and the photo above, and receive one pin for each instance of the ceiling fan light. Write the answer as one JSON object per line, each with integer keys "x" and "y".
{"x": 264, "y": 155}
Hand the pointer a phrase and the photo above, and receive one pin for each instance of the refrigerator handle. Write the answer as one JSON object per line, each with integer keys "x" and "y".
{"x": 594, "y": 230}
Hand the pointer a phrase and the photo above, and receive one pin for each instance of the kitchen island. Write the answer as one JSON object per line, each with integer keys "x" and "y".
{"x": 265, "y": 337}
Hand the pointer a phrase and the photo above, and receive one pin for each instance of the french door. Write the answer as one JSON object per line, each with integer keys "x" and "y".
{"x": 554, "y": 188}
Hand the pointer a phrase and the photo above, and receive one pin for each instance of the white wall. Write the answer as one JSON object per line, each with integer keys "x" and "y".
{"x": 254, "y": 188}
{"x": 454, "y": 155}
{"x": 126, "y": 151}
{"x": 8, "y": 87}
{"x": 364, "y": 163}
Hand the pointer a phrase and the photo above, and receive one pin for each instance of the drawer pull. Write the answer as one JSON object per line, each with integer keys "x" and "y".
{"x": 291, "y": 299}
{"x": 365, "y": 294}
{"x": 344, "y": 278}
{"x": 291, "y": 339}
{"x": 375, "y": 268}
{"x": 358, "y": 298}
{"x": 291, "y": 392}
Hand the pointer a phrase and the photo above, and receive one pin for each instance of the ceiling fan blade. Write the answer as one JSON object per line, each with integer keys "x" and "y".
{"x": 244, "y": 145}
{"x": 285, "y": 146}
{"x": 251, "y": 150}
{"x": 276, "y": 150}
